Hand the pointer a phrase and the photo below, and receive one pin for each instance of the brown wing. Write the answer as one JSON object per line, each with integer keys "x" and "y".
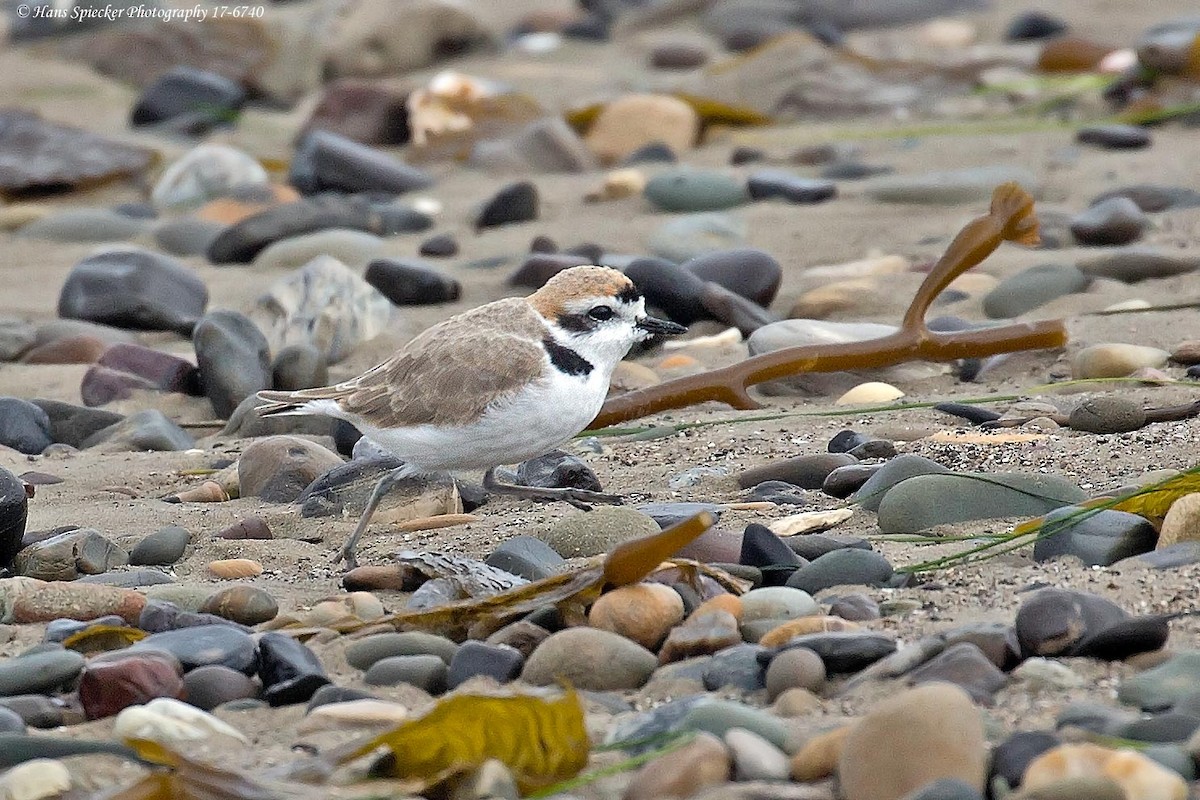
{"x": 447, "y": 375}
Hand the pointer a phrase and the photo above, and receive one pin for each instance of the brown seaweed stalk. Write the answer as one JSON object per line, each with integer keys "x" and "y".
{"x": 1011, "y": 218}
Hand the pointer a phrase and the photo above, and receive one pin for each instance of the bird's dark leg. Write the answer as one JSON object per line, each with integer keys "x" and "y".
{"x": 382, "y": 487}
{"x": 576, "y": 497}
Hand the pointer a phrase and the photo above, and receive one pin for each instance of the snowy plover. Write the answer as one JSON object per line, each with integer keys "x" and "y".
{"x": 499, "y": 384}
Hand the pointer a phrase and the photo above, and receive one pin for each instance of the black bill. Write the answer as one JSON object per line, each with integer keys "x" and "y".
{"x": 660, "y": 326}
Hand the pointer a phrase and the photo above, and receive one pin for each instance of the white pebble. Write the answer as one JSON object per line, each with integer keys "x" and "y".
{"x": 168, "y": 721}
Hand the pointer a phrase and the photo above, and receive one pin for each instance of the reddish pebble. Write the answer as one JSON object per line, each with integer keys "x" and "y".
{"x": 109, "y": 685}
{"x": 388, "y": 577}
{"x": 81, "y": 601}
{"x": 248, "y": 528}
{"x": 231, "y": 568}
{"x": 67, "y": 350}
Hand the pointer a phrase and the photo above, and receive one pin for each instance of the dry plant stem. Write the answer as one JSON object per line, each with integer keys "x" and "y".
{"x": 1011, "y": 218}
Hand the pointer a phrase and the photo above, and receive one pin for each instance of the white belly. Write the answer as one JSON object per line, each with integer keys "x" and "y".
{"x": 541, "y": 419}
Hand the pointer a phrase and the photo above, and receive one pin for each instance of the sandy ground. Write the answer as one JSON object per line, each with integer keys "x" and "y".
{"x": 298, "y": 566}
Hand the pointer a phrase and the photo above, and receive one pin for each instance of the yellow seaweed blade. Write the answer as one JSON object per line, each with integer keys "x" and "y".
{"x": 633, "y": 560}
{"x": 103, "y": 637}
{"x": 541, "y": 741}
{"x": 1154, "y": 502}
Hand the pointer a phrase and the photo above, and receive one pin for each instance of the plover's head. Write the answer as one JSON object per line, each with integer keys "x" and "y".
{"x": 598, "y": 312}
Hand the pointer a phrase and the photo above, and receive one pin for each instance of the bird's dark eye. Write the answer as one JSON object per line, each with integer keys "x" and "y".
{"x": 601, "y": 313}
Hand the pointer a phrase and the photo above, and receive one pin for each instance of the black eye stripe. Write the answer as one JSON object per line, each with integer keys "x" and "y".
{"x": 576, "y": 323}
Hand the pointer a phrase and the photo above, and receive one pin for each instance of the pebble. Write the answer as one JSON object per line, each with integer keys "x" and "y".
{"x": 234, "y": 359}
{"x": 1182, "y": 523}
{"x": 749, "y": 272}
{"x": 1162, "y": 686}
{"x": 774, "y": 184}
{"x": 1116, "y": 360}
{"x": 689, "y": 189}
{"x": 201, "y": 645}
{"x": 36, "y": 779}
{"x": 718, "y": 717}
{"x": 910, "y": 739}
{"x": 1108, "y": 413}
{"x": 1114, "y": 136}
{"x": 68, "y": 350}
{"x": 557, "y": 469}
{"x": 14, "y": 510}
{"x": 798, "y": 668}
{"x": 517, "y": 202}
{"x": 428, "y": 673}
{"x": 187, "y": 92}
{"x": 443, "y": 245}
{"x": 167, "y": 372}
{"x": 1153, "y": 197}
{"x": 370, "y": 42}
{"x": 964, "y": 665}
{"x": 501, "y": 662}
{"x": 24, "y": 426}
{"x": 233, "y": 568}
{"x": 842, "y": 652}
{"x": 172, "y": 723}
{"x": 39, "y": 673}
{"x": 596, "y": 531}
{"x": 299, "y": 366}
{"x": 410, "y": 282}
{"x": 632, "y": 122}
{"x": 1052, "y": 622}
{"x": 842, "y": 567}
{"x": 1138, "y": 777}
{"x": 66, "y": 556}
{"x": 205, "y": 173}
{"x": 211, "y": 686}
{"x": 329, "y": 162}
{"x": 694, "y": 235}
{"x": 133, "y": 288}
{"x": 761, "y": 548}
{"x": 1114, "y": 221}
{"x": 817, "y": 758}
{"x": 247, "y": 605}
{"x": 1031, "y": 25}
{"x": 290, "y": 671}
{"x": 968, "y": 185}
{"x": 678, "y": 55}
{"x": 869, "y": 393}
{"x": 777, "y": 603}
{"x": 686, "y": 771}
{"x": 702, "y": 634}
{"x": 754, "y": 758}
{"x": 352, "y": 247}
{"x": 161, "y": 548}
{"x": 1099, "y": 539}
{"x": 1033, "y": 288}
{"x": 34, "y": 710}
{"x": 926, "y": 501}
{"x": 83, "y": 225}
{"x": 806, "y": 471}
{"x": 737, "y": 667}
{"x": 279, "y": 468}
{"x": 644, "y": 613}
{"x": 119, "y": 680}
{"x": 573, "y": 654}
{"x": 148, "y": 430}
{"x": 362, "y": 653}
{"x": 1040, "y": 675}
{"x": 1138, "y": 263}
{"x": 526, "y": 557}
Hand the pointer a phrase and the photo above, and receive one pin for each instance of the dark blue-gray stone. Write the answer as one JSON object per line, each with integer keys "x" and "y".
{"x": 1097, "y": 539}
{"x": 24, "y": 426}
{"x": 842, "y": 567}
{"x": 133, "y": 288}
{"x": 205, "y": 644}
{"x": 926, "y": 501}
{"x": 737, "y": 666}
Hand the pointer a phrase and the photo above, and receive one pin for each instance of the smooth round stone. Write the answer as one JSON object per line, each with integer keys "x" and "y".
{"x": 132, "y": 579}
{"x": 556, "y": 470}
{"x": 926, "y": 501}
{"x": 573, "y": 655}
{"x": 776, "y": 184}
{"x": 720, "y": 716}
{"x": 146, "y": 430}
{"x": 205, "y": 173}
{"x": 500, "y": 662}
{"x": 517, "y": 202}
{"x": 910, "y": 739}
{"x": 1031, "y": 25}
{"x": 1099, "y": 539}
{"x": 1162, "y": 686}
{"x": 187, "y": 92}
{"x": 234, "y": 359}
{"x": 777, "y": 603}
{"x": 840, "y": 568}
{"x": 1107, "y": 414}
{"x": 352, "y": 247}
{"x": 763, "y": 549}
{"x": 289, "y": 670}
{"x": 1032, "y": 288}
{"x": 202, "y": 645}
{"x": 704, "y": 633}
{"x": 644, "y": 613}
{"x": 427, "y": 673}
{"x": 1182, "y": 523}
{"x": 1115, "y": 221}
{"x": 84, "y": 225}
{"x": 842, "y": 652}
{"x": 1138, "y": 263}
{"x": 279, "y": 468}
{"x": 951, "y": 187}
{"x": 443, "y": 245}
{"x": 36, "y": 710}
{"x": 326, "y": 161}
{"x": 362, "y": 653}
{"x": 696, "y": 234}
{"x": 683, "y": 772}
{"x": 591, "y": 533}
{"x": 109, "y": 685}
{"x": 1153, "y": 197}
{"x": 133, "y": 288}
{"x": 1052, "y": 621}
{"x": 1124, "y": 639}
{"x": 214, "y": 685}
{"x": 40, "y": 672}
{"x": 678, "y": 56}
{"x": 11, "y": 721}
{"x": 161, "y": 548}
{"x": 796, "y": 668}
{"x": 1011, "y": 757}
{"x": 66, "y": 556}
{"x": 845, "y": 481}
{"x": 688, "y": 189}
{"x": 633, "y": 122}
{"x": 675, "y": 290}
{"x": 247, "y": 605}
{"x": 946, "y": 789}
{"x": 806, "y": 471}
{"x": 854, "y": 171}
{"x": 527, "y": 557}
{"x": 751, "y": 273}
{"x": 966, "y": 666}
{"x": 1114, "y": 137}
{"x": 1167, "y": 727}
{"x": 738, "y": 666}
{"x": 299, "y": 366}
{"x": 1116, "y": 360}
{"x": 754, "y": 758}
{"x": 410, "y": 282}
{"x": 652, "y": 153}
{"x": 23, "y": 426}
